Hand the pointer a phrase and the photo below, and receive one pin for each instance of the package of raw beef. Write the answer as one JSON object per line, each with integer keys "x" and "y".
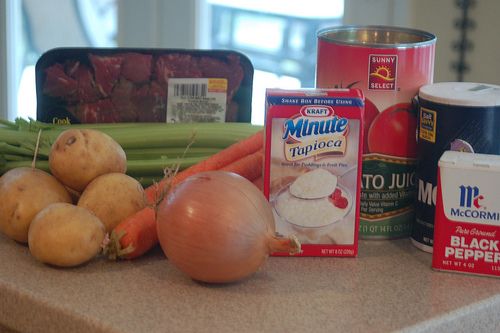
{"x": 109, "y": 85}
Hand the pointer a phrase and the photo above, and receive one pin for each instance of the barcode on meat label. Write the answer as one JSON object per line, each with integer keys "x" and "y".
{"x": 190, "y": 90}
{"x": 196, "y": 100}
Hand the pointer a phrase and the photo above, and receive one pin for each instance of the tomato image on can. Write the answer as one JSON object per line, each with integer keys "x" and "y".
{"x": 390, "y": 133}
{"x": 389, "y": 64}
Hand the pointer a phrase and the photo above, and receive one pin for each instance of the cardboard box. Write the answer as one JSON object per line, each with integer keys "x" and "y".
{"x": 312, "y": 168}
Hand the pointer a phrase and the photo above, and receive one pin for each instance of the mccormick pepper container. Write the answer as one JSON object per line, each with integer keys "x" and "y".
{"x": 467, "y": 224}
{"x": 389, "y": 64}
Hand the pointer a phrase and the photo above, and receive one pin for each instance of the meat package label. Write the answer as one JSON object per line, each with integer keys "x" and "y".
{"x": 467, "y": 225}
{"x": 196, "y": 100}
{"x": 312, "y": 167}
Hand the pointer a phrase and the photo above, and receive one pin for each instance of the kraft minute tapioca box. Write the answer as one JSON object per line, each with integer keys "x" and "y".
{"x": 467, "y": 218}
{"x": 312, "y": 167}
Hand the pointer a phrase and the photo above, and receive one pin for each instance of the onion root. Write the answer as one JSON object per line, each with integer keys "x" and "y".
{"x": 290, "y": 245}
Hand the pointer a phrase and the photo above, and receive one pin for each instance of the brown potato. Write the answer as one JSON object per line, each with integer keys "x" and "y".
{"x": 65, "y": 235}
{"x": 80, "y": 155}
{"x": 113, "y": 197}
{"x": 23, "y": 193}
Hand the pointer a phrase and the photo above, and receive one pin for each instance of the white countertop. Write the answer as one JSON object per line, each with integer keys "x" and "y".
{"x": 389, "y": 287}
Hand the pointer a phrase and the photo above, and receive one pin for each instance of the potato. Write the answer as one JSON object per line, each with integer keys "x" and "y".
{"x": 80, "y": 155}
{"x": 65, "y": 235}
{"x": 112, "y": 197}
{"x": 23, "y": 193}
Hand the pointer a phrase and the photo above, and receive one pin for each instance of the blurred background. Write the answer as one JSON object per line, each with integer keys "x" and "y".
{"x": 279, "y": 36}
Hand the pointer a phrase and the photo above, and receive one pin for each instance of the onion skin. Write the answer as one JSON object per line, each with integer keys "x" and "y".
{"x": 217, "y": 227}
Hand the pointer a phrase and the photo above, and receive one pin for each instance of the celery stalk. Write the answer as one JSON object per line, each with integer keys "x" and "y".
{"x": 156, "y": 167}
{"x": 135, "y": 168}
{"x": 6, "y": 148}
{"x": 152, "y": 153}
{"x": 6, "y": 166}
{"x": 150, "y": 147}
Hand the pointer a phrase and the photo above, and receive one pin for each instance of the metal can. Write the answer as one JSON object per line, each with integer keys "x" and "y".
{"x": 389, "y": 64}
{"x": 458, "y": 116}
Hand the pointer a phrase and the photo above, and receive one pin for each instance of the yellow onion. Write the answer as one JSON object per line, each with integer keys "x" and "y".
{"x": 218, "y": 227}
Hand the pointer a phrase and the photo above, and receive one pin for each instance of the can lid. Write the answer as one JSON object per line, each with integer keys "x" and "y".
{"x": 464, "y": 160}
{"x": 461, "y": 93}
{"x": 377, "y": 36}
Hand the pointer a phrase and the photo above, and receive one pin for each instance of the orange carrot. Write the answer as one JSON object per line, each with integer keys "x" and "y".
{"x": 137, "y": 234}
{"x": 217, "y": 161}
{"x": 134, "y": 236}
{"x": 249, "y": 166}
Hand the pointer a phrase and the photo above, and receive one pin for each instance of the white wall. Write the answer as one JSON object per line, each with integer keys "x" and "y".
{"x": 438, "y": 17}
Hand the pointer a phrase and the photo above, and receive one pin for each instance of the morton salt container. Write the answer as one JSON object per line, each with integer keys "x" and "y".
{"x": 457, "y": 116}
{"x": 389, "y": 64}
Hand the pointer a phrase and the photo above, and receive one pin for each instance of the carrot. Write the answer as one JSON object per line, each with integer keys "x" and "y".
{"x": 134, "y": 236}
{"x": 249, "y": 166}
{"x": 217, "y": 161}
{"x": 137, "y": 234}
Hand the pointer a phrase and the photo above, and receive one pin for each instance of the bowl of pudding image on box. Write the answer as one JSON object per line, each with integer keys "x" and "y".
{"x": 313, "y": 204}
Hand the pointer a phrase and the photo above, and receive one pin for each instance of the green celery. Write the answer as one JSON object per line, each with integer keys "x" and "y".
{"x": 152, "y": 153}
{"x": 148, "y": 180}
{"x": 150, "y": 147}
{"x": 156, "y": 167}
{"x": 6, "y": 148}
{"x": 13, "y": 157}
{"x": 42, "y": 165}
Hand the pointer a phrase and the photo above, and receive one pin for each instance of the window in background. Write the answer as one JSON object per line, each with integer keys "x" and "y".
{"x": 279, "y": 38}
{"x": 81, "y": 23}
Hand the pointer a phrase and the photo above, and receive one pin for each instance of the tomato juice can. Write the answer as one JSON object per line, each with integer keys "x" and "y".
{"x": 389, "y": 64}
{"x": 456, "y": 116}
